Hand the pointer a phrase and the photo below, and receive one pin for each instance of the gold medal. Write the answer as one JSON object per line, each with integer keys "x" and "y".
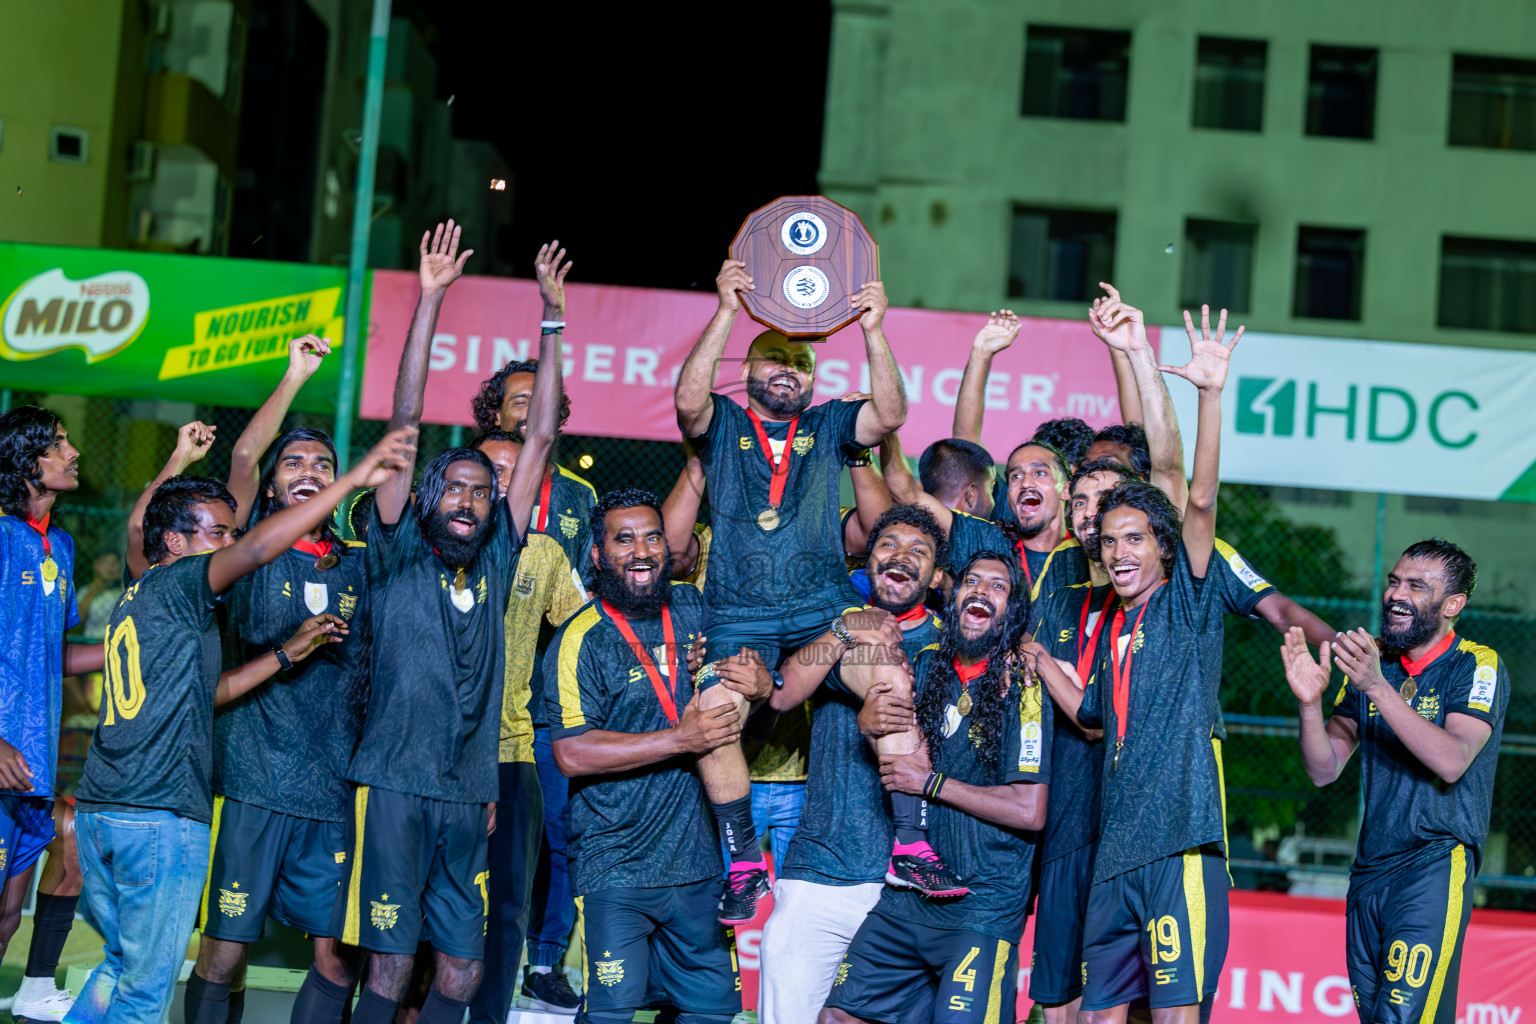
{"x": 50, "y": 569}
{"x": 458, "y": 580}
{"x": 1409, "y": 690}
{"x": 963, "y": 705}
{"x": 768, "y": 519}
{"x": 328, "y": 561}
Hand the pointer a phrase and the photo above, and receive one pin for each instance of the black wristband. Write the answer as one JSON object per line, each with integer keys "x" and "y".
{"x": 933, "y": 786}
{"x": 283, "y": 661}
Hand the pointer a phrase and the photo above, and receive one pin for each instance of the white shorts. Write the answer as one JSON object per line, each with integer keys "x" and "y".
{"x": 804, "y": 941}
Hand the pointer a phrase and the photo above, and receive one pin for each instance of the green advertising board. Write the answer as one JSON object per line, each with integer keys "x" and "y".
{"x": 147, "y": 325}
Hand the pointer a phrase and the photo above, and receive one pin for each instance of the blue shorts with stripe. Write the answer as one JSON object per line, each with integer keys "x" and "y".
{"x": 888, "y": 974}
{"x": 1158, "y": 932}
{"x": 266, "y": 862}
{"x": 1403, "y": 942}
{"x": 1056, "y": 967}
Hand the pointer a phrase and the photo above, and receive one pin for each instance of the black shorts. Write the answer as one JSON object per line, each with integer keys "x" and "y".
{"x": 1403, "y": 942}
{"x": 640, "y": 942}
{"x": 1056, "y": 967}
{"x": 266, "y": 862}
{"x": 1158, "y": 932}
{"x": 414, "y": 858}
{"x": 896, "y": 972}
{"x": 776, "y": 638}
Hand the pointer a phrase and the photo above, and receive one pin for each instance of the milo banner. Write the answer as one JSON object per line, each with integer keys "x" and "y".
{"x": 1371, "y": 416}
{"x": 143, "y": 325}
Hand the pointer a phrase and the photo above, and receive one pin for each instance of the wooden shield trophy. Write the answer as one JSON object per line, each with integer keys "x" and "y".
{"x": 807, "y": 256}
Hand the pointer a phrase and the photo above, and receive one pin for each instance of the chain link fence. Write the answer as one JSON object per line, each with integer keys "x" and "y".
{"x": 1286, "y": 834}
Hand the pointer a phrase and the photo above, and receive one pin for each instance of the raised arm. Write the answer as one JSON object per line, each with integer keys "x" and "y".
{"x": 696, "y": 379}
{"x": 904, "y": 487}
{"x": 441, "y": 265}
{"x": 1326, "y": 743}
{"x": 1207, "y": 371}
{"x": 304, "y": 356}
{"x": 679, "y": 513}
{"x": 192, "y": 442}
{"x": 995, "y": 335}
{"x": 886, "y": 409}
{"x": 1122, "y": 327}
{"x": 550, "y": 266}
{"x": 392, "y": 456}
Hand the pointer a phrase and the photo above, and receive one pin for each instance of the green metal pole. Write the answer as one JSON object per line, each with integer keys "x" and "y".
{"x": 1377, "y": 569}
{"x": 5, "y": 401}
{"x": 362, "y": 224}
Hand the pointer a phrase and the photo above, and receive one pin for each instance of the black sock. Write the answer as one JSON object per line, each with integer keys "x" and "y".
{"x": 207, "y": 1001}
{"x": 51, "y": 921}
{"x": 910, "y": 816}
{"x": 236, "y": 1006}
{"x": 735, "y": 821}
{"x": 320, "y": 1000}
{"x": 439, "y": 1009}
{"x": 373, "y": 1008}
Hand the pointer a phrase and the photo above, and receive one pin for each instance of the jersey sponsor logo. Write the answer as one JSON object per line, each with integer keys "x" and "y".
{"x": 746, "y": 443}
{"x": 523, "y": 584}
{"x": 1066, "y": 635}
{"x": 346, "y": 604}
{"x": 568, "y": 526}
{"x": 316, "y": 597}
{"x": 384, "y": 915}
{"x": 609, "y": 972}
{"x": 232, "y": 902}
{"x": 1484, "y": 680}
{"x": 1243, "y": 571}
{"x": 1029, "y": 748}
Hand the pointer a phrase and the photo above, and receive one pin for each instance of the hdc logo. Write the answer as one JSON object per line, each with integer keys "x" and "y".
{"x": 1269, "y": 405}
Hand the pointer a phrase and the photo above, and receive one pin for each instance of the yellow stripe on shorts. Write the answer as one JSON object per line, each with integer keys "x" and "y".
{"x": 995, "y": 992}
{"x": 213, "y": 844}
{"x": 1194, "y": 906}
{"x": 352, "y": 928}
{"x": 1449, "y": 935}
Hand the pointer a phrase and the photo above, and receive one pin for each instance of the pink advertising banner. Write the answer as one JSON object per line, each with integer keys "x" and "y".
{"x": 1285, "y": 962}
{"x": 624, "y": 346}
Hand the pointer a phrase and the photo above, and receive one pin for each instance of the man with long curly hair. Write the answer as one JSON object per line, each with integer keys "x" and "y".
{"x": 986, "y": 763}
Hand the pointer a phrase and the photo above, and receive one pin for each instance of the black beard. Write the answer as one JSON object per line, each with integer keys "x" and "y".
{"x": 1420, "y": 631}
{"x": 1025, "y": 530}
{"x": 968, "y": 647}
{"x": 611, "y": 585}
{"x": 455, "y": 551}
{"x": 890, "y": 606}
{"x": 1090, "y": 543}
{"x": 784, "y": 407}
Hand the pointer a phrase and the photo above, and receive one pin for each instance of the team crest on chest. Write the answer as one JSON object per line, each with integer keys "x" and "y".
{"x": 803, "y": 444}
{"x": 523, "y": 584}
{"x": 569, "y": 525}
{"x": 609, "y": 972}
{"x": 346, "y": 604}
{"x": 316, "y": 597}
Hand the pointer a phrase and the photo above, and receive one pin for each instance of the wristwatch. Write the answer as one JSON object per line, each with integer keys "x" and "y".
{"x": 283, "y": 661}
{"x": 840, "y": 630}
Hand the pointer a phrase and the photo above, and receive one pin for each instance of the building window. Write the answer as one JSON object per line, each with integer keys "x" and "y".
{"x": 1488, "y": 284}
{"x": 1493, "y": 103}
{"x": 1229, "y": 84}
{"x": 1341, "y": 92}
{"x": 1330, "y": 265}
{"x": 1075, "y": 72}
{"x": 1218, "y": 265}
{"x": 69, "y": 145}
{"x": 1060, "y": 254}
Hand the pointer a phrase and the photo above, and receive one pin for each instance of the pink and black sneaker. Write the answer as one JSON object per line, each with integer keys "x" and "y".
{"x": 916, "y": 866}
{"x": 745, "y": 883}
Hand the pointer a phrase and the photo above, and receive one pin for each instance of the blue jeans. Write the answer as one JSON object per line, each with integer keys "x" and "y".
{"x": 144, "y": 874}
{"x": 553, "y": 912}
{"x": 776, "y": 815}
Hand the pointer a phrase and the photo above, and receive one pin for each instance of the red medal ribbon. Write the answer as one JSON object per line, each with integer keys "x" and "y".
{"x": 1085, "y": 651}
{"x": 319, "y": 548}
{"x": 668, "y": 698}
{"x": 1029, "y": 577}
{"x": 1414, "y": 668}
{"x": 913, "y": 614}
{"x": 967, "y": 673}
{"x": 549, "y": 479}
{"x": 41, "y": 526}
{"x": 779, "y": 469}
{"x": 1122, "y": 692}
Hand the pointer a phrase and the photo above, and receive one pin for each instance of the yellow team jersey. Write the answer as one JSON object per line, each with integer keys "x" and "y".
{"x": 545, "y": 585}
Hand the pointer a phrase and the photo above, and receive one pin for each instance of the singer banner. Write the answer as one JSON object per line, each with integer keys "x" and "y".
{"x": 624, "y": 346}
{"x": 1285, "y": 962}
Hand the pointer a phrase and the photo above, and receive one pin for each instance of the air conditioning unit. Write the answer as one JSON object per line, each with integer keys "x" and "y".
{"x": 141, "y": 162}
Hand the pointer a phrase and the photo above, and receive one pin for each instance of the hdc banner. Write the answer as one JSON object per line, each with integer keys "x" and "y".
{"x": 624, "y": 346}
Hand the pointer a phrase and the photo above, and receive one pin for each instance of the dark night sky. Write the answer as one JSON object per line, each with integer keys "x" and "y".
{"x": 623, "y": 128}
